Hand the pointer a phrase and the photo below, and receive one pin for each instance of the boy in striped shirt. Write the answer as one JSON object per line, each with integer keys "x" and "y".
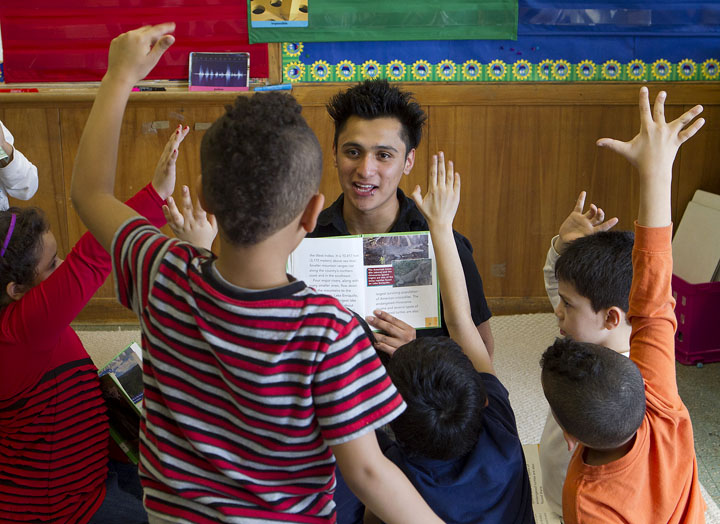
{"x": 254, "y": 383}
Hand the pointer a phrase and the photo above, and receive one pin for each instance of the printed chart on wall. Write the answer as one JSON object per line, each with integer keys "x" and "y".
{"x": 395, "y": 272}
{"x": 279, "y": 13}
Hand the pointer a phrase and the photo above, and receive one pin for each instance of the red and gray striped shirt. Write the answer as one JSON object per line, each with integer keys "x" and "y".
{"x": 245, "y": 391}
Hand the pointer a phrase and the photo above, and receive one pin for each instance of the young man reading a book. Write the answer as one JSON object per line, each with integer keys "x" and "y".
{"x": 254, "y": 383}
{"x": 634, "y": 457}
{"x": 377, "y": 129}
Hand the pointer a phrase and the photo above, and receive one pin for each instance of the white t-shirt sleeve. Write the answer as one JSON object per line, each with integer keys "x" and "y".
{"x": 19, "y": 178}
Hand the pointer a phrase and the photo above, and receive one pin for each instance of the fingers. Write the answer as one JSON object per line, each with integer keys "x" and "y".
{"x": 580, "y": 202}
{"x": 606, "y": 226}
{"x": 173, "y": 216}
{"x": 622, "y": 148}
{"x": 441, "y": 176}
{"x": 685, "y": 134}
{"x": 645, "y": 114}
{"x": 383, "y": 346}
{"x": 659, "y": 107}
{"x": 433, "y": 175}
{"x": 416, "y": 195}
{"x": 396, "y": 332}
{"x": 186, "y": 204}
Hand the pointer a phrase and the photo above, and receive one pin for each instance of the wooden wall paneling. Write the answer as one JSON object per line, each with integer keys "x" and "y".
{"x": 37, "y": 135}
{"x": 699, "y": 164}
{"x": 321, "y": 123}
{"x": 142, "y": 140}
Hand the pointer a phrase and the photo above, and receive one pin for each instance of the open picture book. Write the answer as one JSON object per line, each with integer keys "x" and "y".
{"x": 121, "y": 383}
{"x": 395, "y": 272}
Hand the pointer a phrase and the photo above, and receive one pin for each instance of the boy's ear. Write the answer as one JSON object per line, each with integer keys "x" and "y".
{"x": 572, "y": 442}
{"x": 308, "y": 220}
{"x": 409, "y": 162}
{"x": 15, "y": 291}
{"x": 614, "y": 316}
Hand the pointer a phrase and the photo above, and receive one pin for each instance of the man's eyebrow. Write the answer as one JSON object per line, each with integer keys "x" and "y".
{"x": 379, "y": 147}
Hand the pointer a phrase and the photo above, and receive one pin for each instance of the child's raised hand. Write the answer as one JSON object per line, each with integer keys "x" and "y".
{"x": 191, "y": 223}
{"x": 579, "y": 224}
{"x": 443, "y": 197}
{"x": 164, "y": 178}
{"x": 134, "y": 54}
{"x": 653, "y": 149}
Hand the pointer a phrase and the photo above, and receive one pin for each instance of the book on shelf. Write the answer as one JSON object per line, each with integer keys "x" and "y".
{"x": 394, "y": 272}
{"x": 121, "y": 384}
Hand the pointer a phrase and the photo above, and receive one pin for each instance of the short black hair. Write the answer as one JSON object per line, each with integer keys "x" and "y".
{"x": 378, "y": 99}
{"x": 599, "y": 266}
{"x": 596, "y": 394}
{"x": 261, "y": 164}
{"x": 21, "y": 258}
{"x": 445, "y": 398}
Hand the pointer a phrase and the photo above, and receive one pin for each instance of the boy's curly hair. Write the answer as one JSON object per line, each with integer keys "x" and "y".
{"x": 596, "y": 394}
{"x": 19, "y": 263}
{"x": 261, "y": 164}
{"x": 378, "y": 99}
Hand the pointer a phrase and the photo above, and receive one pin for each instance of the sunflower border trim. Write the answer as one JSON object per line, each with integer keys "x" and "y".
{"x": 320, "y": 71}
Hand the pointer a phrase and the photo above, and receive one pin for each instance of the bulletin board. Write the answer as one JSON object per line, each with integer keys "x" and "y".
{"x": 68, "y": 42}
{"x": 556, "y": 42}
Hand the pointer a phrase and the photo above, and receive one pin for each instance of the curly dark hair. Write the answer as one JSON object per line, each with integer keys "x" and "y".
{"x": 19, "y": 263}
{"x": 377, "y": 99}
{"x": 596, "y": 394}
{"x": 261, "y": 164}
{"x": 599, "y": 266}
{"x": 445, "y": 398}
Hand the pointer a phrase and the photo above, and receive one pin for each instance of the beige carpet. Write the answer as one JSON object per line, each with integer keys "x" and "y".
{"x": 519, "y": 342}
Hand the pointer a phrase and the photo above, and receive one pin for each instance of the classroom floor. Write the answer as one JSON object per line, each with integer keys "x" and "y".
{"x": 519, "y": 342}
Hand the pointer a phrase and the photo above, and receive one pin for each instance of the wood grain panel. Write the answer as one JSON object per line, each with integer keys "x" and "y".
{"x": 524, "y": 152}
{"x": 37, "y": 135}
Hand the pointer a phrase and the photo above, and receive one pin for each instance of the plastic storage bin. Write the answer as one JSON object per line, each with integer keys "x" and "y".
{"x": 697, "y": 338}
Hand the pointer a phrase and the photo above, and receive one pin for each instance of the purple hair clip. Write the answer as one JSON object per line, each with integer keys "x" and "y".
{"x": 13, "y": 218}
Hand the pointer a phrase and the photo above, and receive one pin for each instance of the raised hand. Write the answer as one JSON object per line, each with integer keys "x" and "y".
{"x": 652, "y": 152}
{"x": 133, "y": 54}
{"x": 164, "y": 177}
{"x": 191, "y": 222}
{"x": 443, "y": 197}
{"x": 653, "y": 149}
{"x": 579, "y": 224}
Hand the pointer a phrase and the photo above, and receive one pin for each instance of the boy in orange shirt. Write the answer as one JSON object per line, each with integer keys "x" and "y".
{"x": 634, "y": 457}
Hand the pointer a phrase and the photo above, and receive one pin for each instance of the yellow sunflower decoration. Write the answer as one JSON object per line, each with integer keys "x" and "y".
{"x": 370, "y": 69}
{"x": 611, "y": 70}
{"x": 421, "y": 70}
{"x": 636, "y": 70}
{"x": 661, "y": 69}
{"x": 345, "y": 71}
{"x": 395, "y": 70}
{"x": 471, "y": 70}
{"x": 561, "y": 70}
{"x": 320, "y": 70}
{"x": 497, "y": 70}
{"x": 585, "y": 70}
{"x": 292, "y": 49}
{"x": 294, "y": 71}
{"x": 686, "y": 69}
{"x": 446, "y": 70}
{"x": 544, "y": 69}
{"x": 522, "y": 70}
{"x": 710, "y": 69}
